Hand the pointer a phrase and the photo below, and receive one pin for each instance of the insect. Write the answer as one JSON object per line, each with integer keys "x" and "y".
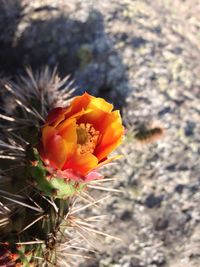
{"x": 145, "y": 134}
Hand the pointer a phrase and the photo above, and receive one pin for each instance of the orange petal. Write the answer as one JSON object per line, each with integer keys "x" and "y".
{"x": 57, "y": 114}
{"x": 82, "y": 163}
{"x": 67, "y": 130}
{"x": 100, "y": 119}
{"x": 106, "y": 124}
{"x": 112, "y": 133}
{"x": 111, "y": 139}
{"x": 96, "y": 118}
{"x": 102, "y": 152}
{"x": 55, "y": 147}
{"x": 57, "y": 151}
{"x": 47, "y": 133}
{"x": 100, "y": 103}
{"x": 79, "y": 103}
{"x": 109, "y": 119}
{"x": 106, "y": 161}
{"x": 79, "y": 114}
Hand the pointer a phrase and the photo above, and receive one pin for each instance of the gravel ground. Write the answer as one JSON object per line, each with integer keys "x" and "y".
{"x": 144, "y": 56}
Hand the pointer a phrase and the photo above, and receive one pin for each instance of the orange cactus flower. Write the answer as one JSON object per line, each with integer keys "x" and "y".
{"x": 76, "y": 140}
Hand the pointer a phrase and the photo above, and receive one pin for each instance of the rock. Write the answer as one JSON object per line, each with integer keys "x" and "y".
{"x": 153, "y": 201}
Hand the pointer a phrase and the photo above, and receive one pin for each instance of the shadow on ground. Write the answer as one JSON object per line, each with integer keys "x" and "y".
{"x": 81, "y": 49}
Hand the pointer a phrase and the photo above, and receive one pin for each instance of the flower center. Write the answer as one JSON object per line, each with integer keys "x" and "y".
{"x": 87, "y": 138}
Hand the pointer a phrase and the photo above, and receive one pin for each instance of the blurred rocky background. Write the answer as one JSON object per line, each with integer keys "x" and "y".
{"x": 144, "y": 56}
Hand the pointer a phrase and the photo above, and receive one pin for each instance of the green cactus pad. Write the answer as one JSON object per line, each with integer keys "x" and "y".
{"x": 55, "y": 186}
{"x": 19, "y": 255}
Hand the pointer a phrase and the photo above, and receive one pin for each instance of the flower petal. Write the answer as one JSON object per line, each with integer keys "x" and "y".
{"x": 96, "y": 118}
{"x": 93, "y": 175}
{"x": 67, "y": 130}
{"x": 111, "y": 138}
{"x": 106, "y": 161}
{"x": 100, "y": 111}
{"x": 47, "y": 133}
{"x": 109, "y": 119}
{"x": 55, "y": 147}
{"x": 82, "y": 163}
{"x": 57, "y": 151}
{"x": 78, "y": 104}
{"x": 100, "y": 103}
{"x": 56, "y": 115}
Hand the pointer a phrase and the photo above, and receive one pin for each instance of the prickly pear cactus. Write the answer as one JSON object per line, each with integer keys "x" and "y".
{"x": 51, "y": 149}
